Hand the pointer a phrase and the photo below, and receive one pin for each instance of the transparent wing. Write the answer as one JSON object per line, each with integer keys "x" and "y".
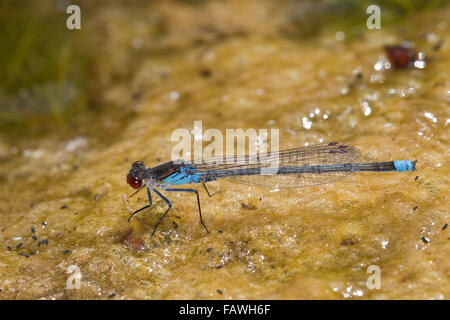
{"x": 320, "y": 154}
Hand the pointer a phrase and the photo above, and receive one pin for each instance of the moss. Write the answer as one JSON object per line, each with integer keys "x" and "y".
{"x": 43, "y": 66}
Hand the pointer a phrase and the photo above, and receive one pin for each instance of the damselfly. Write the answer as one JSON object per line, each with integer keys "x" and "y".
{"x": 293, "y": 168}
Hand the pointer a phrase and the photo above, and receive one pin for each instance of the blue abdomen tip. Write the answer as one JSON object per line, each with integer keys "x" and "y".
{"x": 405, "y": 165}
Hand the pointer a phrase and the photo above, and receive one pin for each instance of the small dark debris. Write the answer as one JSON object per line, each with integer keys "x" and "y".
{"x": 347, "y": 242}
{"x": 32, "y": 205}
{"x": 219, "y": 291}
{"x": 67, "y": 251}
{"x": 425, "y": 240}
{"x": 359, "y": 75}
{"x": 158, "y": 159}
{"x": 32, "y": 230}
{"x": 134, "y": 244}
{"x": 112, "y": 295}
{"x": 32, "y": 253}
{"x": 438, "y": 45}
{"x": 417, "y": 177}
{"x": 219, "y": 231}
{"x": 39, "y": 243}
{"x": 247, "y": 206}
{"x": 26, "y": 256}
{"x": 19, "y": 245}
{"x": 220, "y": 266}
{"x": 209, "y": 249}
{"x": 64, "y": 207}
{"x": 34, "y": 238}
{"x": 205, "y": 73}
{"x": 415, "y": 208}
{"x": 175, "y": 225}
{"x": 9, "y": 247}
{"x": 44, "y": 224}
{"x": 137, "y": 95}
{"x": 445, "y": 226}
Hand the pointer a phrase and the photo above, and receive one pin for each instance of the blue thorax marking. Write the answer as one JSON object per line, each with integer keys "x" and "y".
{"x": 186, "y": 175}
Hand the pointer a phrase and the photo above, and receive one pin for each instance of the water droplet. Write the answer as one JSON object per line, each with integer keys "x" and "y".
{"x": 430, "y": 116}
{"x": 419, "y": 64}
{"x": 340, "y": 36}
{"x": 307, "y": 124}
{"x": 174, "y": 95}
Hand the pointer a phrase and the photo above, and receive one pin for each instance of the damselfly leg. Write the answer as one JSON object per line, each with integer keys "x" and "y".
{"x": 198, "y": 201}
{"x": 207, "y": 191}
{"x": 149, "y": 195}
{"x": 164, "y": 214}
{"x": 168, "y": 203}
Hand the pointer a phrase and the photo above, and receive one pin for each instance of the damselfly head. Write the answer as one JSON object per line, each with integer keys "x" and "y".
{"x": 134, "y": 176}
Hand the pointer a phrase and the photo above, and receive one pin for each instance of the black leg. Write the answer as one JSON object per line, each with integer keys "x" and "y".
{"x": 209, "y": 194}
{"x": 149, "y": 195}
{"x": 164, "y": 214}
{"x": 198, "y": 201}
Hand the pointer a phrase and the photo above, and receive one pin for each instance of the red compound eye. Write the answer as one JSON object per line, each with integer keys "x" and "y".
{"x": 134, "y": 182}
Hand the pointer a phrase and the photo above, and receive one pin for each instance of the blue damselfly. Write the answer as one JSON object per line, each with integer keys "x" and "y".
{"x": 293, "y": 168}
